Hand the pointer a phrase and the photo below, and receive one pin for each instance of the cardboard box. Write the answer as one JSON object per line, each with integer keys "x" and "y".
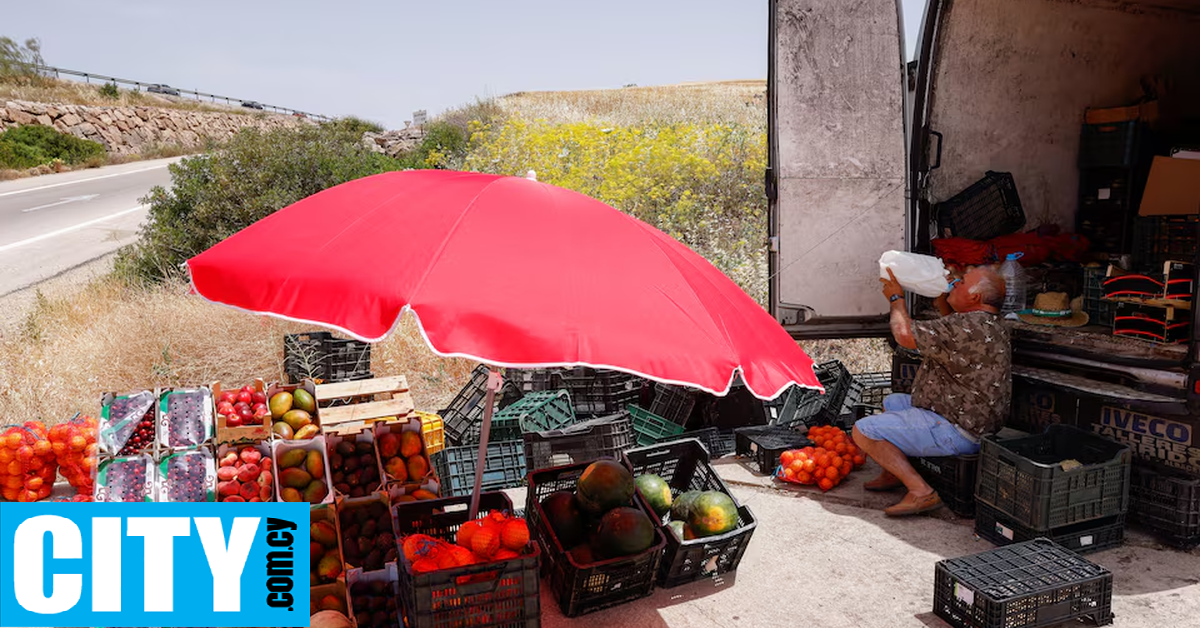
{"x": 280, "y": 447}
{"x": 411, "y": 424}
{"x": 327, "y": 513}
{"x": 310, "y": 388}
{"x": 1156, "y": 323}
{"x": 246, "y": 432}
{"x": 337, "y": 461}
{"x": 264, "y": 449}
{"x": 1171, "y": 189}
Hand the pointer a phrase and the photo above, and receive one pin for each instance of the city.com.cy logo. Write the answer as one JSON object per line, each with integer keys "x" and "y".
{"x": 154, "y": 564}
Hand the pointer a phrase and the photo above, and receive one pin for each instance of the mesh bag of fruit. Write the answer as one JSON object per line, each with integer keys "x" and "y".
{"x": 833, "y": 456}
{"x": 128, "y": 479}
{"x": 187, "y": 476}
{"x": 127, "y": 424}
{"x": 75, "y": 449}
{"x": 27, "y": 463}
{"x": 185, "y": 418}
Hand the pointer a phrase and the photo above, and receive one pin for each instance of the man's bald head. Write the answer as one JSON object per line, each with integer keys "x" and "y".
{"x": 981, "y": 289}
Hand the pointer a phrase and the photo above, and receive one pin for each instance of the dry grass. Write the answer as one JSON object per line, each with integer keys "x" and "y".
{"x": 76, "y": 93}
{"x": 114, "y": 337}
{"x": 732, "y": 102}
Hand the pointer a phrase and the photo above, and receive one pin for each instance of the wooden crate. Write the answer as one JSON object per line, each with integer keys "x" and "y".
{"x": 245, "y": 433}
{"x": 351, "y": 407}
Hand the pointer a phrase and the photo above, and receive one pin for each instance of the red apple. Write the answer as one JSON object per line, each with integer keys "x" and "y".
{"x": 246, "y": 414}
{"x": 259, "y": 397}
{"x": 229, "y": 396}
{"x": 259, "y": 407}
{"x": 239, "y": 406}
{"x": 245, "y": 397}
{"x": 248, "y": 388}
{"x": 233, "y": 420}
{"x": 225, "y": 408}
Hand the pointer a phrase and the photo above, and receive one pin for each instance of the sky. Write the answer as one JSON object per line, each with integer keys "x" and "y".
{"x": 384, "y": 59}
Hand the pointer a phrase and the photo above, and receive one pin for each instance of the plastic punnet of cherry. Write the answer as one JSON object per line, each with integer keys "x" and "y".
{"x": 128, "y": 479}
{"x": 127, "y": 424}
{"x": 187, "y": 476}
{"x": 185, "y": 418}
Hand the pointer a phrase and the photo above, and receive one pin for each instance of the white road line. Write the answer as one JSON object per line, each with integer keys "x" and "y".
{"x": 70, "y": 199}
{"x": 103, "y": 176}
{"x": 52, "y": 234}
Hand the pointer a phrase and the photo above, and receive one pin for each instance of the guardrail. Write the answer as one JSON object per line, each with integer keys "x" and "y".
{"x": 88, "y": 76}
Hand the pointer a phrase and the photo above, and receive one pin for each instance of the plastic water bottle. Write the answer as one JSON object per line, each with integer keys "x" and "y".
{"x": 1014, "y": 284}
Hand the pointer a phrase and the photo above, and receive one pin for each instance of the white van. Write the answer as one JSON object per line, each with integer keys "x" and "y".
{"x": 863, "y": 146}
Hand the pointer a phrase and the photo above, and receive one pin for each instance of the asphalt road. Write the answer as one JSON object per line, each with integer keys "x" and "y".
{"x": 53, "y": 223}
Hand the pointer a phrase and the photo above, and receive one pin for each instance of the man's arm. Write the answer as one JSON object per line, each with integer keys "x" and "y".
{"x": 902, "y": 325}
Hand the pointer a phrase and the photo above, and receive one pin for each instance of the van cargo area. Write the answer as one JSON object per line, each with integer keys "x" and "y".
{"x": 1066, "y": 130}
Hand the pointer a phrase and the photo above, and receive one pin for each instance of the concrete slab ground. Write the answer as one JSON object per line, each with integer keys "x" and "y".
{"x": 833, "y": 560}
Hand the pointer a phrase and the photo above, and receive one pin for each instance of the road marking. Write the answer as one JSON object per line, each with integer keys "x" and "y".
{"x": 64, "y": 201}
{"x": 52, "y": 234}
{"x": 103, "y": 176}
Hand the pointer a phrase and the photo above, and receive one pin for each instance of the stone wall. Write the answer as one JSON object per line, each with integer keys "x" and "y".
{"x": 125, "y": 130}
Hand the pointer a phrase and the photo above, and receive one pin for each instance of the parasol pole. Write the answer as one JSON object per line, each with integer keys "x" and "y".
{"x": 494, "y": 382}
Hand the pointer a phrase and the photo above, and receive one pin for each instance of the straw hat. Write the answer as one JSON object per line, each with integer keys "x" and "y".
{"x": 1055, "y": 309}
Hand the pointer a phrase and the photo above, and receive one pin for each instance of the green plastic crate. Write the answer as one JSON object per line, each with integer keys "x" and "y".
{"x": 651, "y": 429}
{"x": 535, "y": 412}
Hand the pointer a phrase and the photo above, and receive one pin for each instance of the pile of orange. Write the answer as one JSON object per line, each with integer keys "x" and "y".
{"x": 75, "y": 449}
{"x": 825, "y": 464}
{"x": 27, "y": 463}
{"x": 497, "y": 536}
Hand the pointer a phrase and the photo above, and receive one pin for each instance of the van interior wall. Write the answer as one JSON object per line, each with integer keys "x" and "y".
{"x": 1011, "y": 81}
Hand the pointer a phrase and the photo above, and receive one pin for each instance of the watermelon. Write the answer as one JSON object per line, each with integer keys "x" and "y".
{"x": 563, "y": 514}
{"x": 677, "y": 528}
{"x": 682, "y": 505}
{"x": 656, "y": 493}
{"x": 604, "y": 485}
{"x": 624, "y": 531}
{"x": 712, "y": 513}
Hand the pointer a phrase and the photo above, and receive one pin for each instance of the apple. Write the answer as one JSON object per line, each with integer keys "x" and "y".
{"x": 239, "y": 406}
{"x": 225, "y": 408}
{"x": 246, "y": 414}
{"x": 233, "y": 420}
{"x": 259, "y": 397}
{"x": 229, "y": 396}
{"x": 245, "y": 397}
{"x": 248, "y": 388}
{"x": 260, "y": 406}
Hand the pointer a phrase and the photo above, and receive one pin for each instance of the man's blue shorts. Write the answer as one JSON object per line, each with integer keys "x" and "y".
{"x": 915, "y": 431}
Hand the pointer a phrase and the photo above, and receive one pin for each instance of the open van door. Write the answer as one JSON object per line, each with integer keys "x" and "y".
{"x": 836, "y": 166}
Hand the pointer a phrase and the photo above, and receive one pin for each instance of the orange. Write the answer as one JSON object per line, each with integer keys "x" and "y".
{"x": 823, "y": 460}
{"x": 786, "y": 458}
{"x": 860, "y": 460}
{"x": 810, "y": 465}
{"x": 825, "y": 484}
{"x": 847, "y": 467}
{"x": 804, "y": 477}
{"x": 841, "y": 448}
{"x": 835, "y": 461}
{"x": 788, "y": 474}
{"x": 832, "y": 473}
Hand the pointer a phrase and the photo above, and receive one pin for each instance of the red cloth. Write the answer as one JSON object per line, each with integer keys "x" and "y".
{"x": 506, "y": 271}
{"x": 1037, "y": 247}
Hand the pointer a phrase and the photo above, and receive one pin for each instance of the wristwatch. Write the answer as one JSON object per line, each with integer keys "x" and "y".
{"x": 895, "y": 297}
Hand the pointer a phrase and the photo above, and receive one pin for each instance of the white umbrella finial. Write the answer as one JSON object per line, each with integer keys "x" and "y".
{"x": 531, "y": 175}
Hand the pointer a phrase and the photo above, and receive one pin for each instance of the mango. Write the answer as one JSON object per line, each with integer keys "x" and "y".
{"x": 315, "y": 464}
{"x": 303, "y": 401}
{"x": 291, "y": 495}
{"x": 417, "y": 468}
{"x": 332, "y": 603}
{"x": 389, "y": 444}
{"x": 410, "y": 444}
{"x": 293, "y": 458}
{"x": 280, "y": 404}
{"x": 316, "y": 492}
{"x": 307, "y": 432}
{"x": 297, "y": 419}
{"x": 329, "y": 568}
{"x": 295, "y": 478}
{"x": 423, "y": 494}
{"x": 397, "y": 468}
{"x": 283, "y": 430}
{"x": 324, "y": 533}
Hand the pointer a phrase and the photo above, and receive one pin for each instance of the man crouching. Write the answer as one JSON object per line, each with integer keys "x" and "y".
{"x": 961, "y": 391}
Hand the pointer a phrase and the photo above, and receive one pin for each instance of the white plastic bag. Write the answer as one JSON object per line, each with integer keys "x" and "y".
{"x": 922, "y": 274}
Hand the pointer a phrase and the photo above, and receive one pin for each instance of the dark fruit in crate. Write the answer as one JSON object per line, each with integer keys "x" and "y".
{"x": 624, "y": 531}
{"x": 565, "y": 517}
{"x": 141, "y": 435}
{"x": 682, "y": 507}
{"x": 186, "y": 413}
{"x": 604, "y": 485}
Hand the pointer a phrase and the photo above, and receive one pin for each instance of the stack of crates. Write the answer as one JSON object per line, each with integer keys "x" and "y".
{"x": 1113, "y": 166}
{"x": 1099, "y": 311}
{"x": 1066, "y": 484}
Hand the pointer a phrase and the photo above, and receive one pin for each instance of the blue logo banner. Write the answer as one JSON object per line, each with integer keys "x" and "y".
{"x": 154, "y": 564}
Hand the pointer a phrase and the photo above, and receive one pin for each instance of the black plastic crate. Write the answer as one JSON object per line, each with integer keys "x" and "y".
{"x": 321, "y": 356}
{"x": 683, "y": 465}
{"x": 504, "y": 467}
{"x": 1096, "y": 535}
{"x": 953, "y": 477}
{"x": 872, "y": 388}
{"x": 1159, "y": 239}
{"x": 1099, "y": 311}
{"x": 1024, "y": 477}
{"x": 765, "y": 443}
{"x": 1107, "y": 230}
{"x": 988, "y": 208}
{"x": 464, "y": 415}
{"x": 532, "y": 380}
{"x": 673, "y": 403}
{"x": 501, "y": 594}
{"x": 1027, "y": 585}
{"x": 811, "y": 407}
{"x": 605, "y": 437}
{"x": 1113, "y": 144}
{"x": 716, "y": 442}
{"x": 600, "y": 393}
{"x": 904, "y": 369}
{"x": 1168, "y": 505}
{"x": 581, "y": 589}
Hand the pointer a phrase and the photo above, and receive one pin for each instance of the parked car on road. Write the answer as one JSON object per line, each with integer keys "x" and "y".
{"x": 159, "y": 88}
{"x": 252, "y": 104}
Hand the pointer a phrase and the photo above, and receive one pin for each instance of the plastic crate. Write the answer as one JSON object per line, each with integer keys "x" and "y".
{"x": 953, "y": 478}
{"x": 465, "y": 412}
{"x": 716, "y": 442}
{"x": 581, "y": 589}
{"x": 683, "y": 465}
{"x": 605, "y": 437}
{"x": 1023, "y": 477}
{"x": 1096, "y": 535}
{"x": 873, "y": 388}
{"x": 764, "y": 444}
{"x": 433, "y": 431}
{"x": 600, "y": 393}
{"x": 503, "y": 593}
{"x": 532, "y": 380}
{"x": 1108, "y": 145}
{"x": 504, "y": 467}
{"x": 321, "y": 356}
{"x": 1159, "y": 239}
{"x": 807, "y": 407}
{"x": 673, "y": 403}
{"x": 1099, "y": 311}
{"x": 988, "y": 208}
{"x": 535, "y": 412}
{"x": 650, "y": 428}
{"x": 1026, "y": 585}
{"x": 1168, "y": 505}
{"x": 905, "y": 364}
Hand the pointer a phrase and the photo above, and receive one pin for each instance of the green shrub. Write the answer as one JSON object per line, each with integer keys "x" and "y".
{"x": 215, "y": 195}
{"x": 353, "y": 126}
{"x": 109, "y": 90}
{"x": 19, "y": 62}
{"x": 34, "y": 145}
